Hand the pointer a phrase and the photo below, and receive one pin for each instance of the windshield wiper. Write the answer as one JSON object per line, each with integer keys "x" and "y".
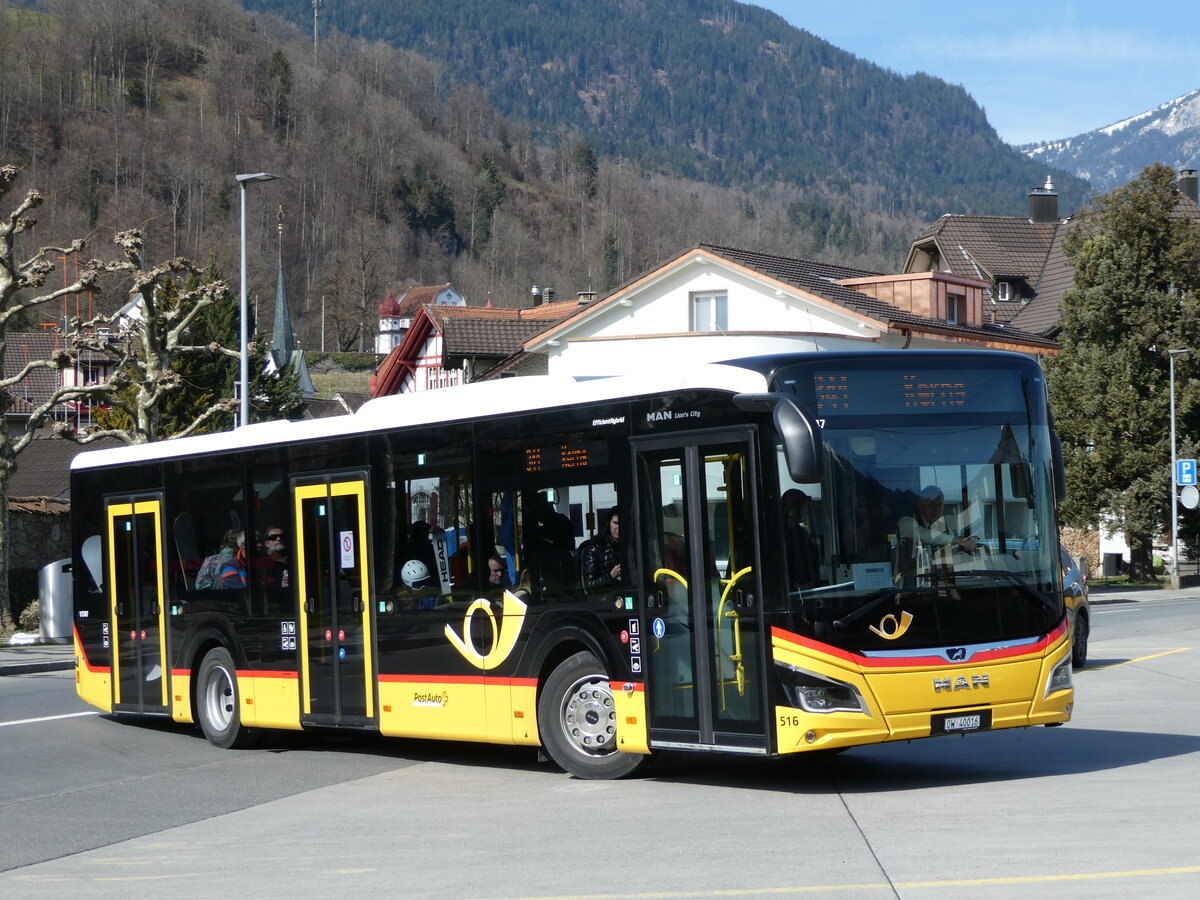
{"x": 874, "y": 603}
{"x": 1026, "y": 588}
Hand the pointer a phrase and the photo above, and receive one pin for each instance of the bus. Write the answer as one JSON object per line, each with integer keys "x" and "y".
{"x": 811, "y": 552}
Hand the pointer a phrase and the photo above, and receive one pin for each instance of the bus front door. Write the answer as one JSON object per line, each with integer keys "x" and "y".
{"x": 702, "y": 631}
{"x": 137, "y": 605}
{"x": 334, "y": 587}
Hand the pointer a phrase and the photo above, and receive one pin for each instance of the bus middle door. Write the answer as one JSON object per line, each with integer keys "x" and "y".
{"x": 137, "y": 604}
{"x": 702, "y": 634}
{"x": 334, "y": 586}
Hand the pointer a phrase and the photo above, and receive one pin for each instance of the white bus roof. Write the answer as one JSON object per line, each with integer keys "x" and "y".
{"x": 471, "y": 401}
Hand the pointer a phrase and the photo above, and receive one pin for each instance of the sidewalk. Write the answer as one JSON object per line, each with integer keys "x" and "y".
{"x": 24, "y": 659}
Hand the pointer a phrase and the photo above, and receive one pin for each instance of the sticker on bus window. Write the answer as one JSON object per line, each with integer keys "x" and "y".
{"x": 346, "y": 543}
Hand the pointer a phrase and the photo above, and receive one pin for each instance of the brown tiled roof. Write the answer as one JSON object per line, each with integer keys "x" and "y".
{"x": 483, "y": 331}
{"x": 44, "y": 467}
{"x": 416, "y": 297}
{"x": 23, "y": 347}
{"x": 991, "y": 247}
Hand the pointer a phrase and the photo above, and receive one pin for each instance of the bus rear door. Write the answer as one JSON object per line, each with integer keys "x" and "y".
{"x": 335, "y": 640}
{"x": 702, "y": 631}
{"x": 137, "y": 604}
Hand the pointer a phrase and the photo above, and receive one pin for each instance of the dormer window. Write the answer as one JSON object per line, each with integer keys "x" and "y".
{"x": 1004, "y": 291}
{"x": 710, "y": 312}
{"x": 956, "y": 309}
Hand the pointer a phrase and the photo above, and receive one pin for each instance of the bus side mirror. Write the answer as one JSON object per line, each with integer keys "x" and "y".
{"x": 1060, "y": 471}
{"x": 1056, "y": 460}
{"x": 802, "y": 445}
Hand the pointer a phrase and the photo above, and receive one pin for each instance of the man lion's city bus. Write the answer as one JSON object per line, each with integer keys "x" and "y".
{"x": 772, "y": 585}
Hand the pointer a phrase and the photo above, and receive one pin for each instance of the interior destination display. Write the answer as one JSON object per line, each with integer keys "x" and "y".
{"x": 556, "y": 457}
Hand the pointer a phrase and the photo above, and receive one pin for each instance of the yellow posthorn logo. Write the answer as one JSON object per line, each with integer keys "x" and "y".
{"x": 504, "y": 637}
{"x": 889, "y": 631}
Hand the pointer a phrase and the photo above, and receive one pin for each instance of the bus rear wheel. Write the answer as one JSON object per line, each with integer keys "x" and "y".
{"x": 218, "y": 703}
{"x": 577, "y": 721}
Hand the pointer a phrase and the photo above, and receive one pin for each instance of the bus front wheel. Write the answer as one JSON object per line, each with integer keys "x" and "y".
{"x": 218, "y": 702}
{"x": 577, "y": 721}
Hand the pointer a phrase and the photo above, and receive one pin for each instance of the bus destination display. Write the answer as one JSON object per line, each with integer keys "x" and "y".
{"x": 557, "y": 457}
{"x": 874, "y": 392}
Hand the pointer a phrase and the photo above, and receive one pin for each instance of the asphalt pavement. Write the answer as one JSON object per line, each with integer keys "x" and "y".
{"x": 23, "y": 659}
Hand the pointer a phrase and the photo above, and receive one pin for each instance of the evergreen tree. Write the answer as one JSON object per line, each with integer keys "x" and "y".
{"x": 1137, "y": 277}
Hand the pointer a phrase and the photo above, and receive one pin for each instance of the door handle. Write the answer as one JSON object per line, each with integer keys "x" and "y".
{"x": 120, "y": 609}
{"x": 357, "y": 604}
{"x": 310, "y": 605}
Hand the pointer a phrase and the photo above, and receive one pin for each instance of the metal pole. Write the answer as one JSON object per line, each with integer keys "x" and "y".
{"x": 244, "y": 331}
{"x": 1174, "y": 498}
{"x": 1171, "y": 354}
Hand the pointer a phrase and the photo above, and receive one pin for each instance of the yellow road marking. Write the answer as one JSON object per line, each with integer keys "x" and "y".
{"x": 829, "y": 888}
{"x": 1139, "y": 659}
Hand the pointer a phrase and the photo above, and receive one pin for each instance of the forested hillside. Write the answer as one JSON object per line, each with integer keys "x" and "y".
{"x": 713, "y": 90}
{"x": 140, "y": 112}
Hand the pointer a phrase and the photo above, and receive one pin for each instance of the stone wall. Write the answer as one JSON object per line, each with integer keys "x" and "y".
{"x": 39, "y": 532}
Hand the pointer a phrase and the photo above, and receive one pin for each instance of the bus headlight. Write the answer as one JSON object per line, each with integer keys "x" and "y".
{"x": 1060, "y": 677}
{"x": 818, "y": 694}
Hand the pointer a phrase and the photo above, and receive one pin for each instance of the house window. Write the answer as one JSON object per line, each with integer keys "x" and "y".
{"x": 710, "y": 312}
{"x": 956, "y": 309}
{"x": 1004, "y": 291}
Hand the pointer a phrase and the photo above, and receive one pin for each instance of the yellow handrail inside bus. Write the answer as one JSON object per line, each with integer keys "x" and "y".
{"x": 736, "y": 657}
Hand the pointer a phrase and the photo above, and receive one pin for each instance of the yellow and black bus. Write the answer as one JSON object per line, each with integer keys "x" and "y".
{"x": 764, "y": 556}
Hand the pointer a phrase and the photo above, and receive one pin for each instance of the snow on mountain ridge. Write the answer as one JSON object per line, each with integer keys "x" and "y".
{"x": 1117, "y": 153}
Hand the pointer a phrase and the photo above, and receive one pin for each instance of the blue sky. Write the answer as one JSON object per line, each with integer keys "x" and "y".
{"x": 1041, "y": 70}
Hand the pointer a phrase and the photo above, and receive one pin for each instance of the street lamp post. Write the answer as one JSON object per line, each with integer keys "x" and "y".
{"x": 1171, "y": 354}
{"x": 244, "y": 335}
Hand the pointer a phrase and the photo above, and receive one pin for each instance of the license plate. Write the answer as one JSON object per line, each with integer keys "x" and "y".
{"x": 957, "y": 723}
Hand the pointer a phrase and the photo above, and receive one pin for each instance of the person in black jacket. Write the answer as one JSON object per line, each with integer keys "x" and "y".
{"x": 602, "y": 556}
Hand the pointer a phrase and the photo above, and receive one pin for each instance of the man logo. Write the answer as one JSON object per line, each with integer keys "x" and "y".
{"x": 956, "y": 654}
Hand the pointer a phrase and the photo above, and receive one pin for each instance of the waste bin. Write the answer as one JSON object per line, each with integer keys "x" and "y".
{"x": 1111, "y": 565}
{"x": 55, "y": 600}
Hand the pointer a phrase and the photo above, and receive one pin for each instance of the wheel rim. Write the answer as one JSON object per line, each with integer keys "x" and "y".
{"x": 588, "y": 716}
{"x": 218, "y": 698}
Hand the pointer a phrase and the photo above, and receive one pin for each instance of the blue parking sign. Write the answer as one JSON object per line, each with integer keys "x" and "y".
{"x": 1185, "y": 471}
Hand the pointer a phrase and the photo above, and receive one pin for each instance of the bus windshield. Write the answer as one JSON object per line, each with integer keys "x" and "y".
{"x": 932, "y": 525}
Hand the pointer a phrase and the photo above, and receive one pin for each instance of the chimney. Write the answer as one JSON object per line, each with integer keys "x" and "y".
{"x": 1187, "y": 183}
{"x": 1043, "y": 204}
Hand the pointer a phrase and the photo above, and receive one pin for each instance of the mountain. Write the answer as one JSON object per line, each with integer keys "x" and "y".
{"x": 1115, "y": 155}
{"x": 712, "y": 90}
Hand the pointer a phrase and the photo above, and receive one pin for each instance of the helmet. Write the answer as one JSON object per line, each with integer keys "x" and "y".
{"x": 414, "y": 573}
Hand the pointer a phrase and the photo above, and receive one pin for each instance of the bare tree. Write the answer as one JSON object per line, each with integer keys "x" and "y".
{"x": 22, "y": 287}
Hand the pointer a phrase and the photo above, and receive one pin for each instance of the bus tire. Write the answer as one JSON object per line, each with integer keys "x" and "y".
{"x": 218, "y": 705}
{"x": 1079, "y": 640}
{"x": 577, "y": 721}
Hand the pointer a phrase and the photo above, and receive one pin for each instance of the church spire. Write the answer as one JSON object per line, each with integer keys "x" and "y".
{"x": 282, "y": 346}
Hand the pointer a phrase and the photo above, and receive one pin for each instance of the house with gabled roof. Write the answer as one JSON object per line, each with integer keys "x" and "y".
{"x": 449, "y": 345}
{"x": 714, "y": 302}
{"x": 1020, "y": 257}
{"x": 396, "y": 314}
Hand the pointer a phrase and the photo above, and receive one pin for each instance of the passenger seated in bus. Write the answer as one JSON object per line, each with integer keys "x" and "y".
{"x": 925, "y": 538}
{"x": 420, "y": 590}
{"x": 601, "y": 557}
{"x": 275, "y": 546}
{"x": 209, "y": 575}
{"x": 497, "y": 572}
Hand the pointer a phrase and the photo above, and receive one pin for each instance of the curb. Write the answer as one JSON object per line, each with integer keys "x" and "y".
{"x": 35, "y": 667}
